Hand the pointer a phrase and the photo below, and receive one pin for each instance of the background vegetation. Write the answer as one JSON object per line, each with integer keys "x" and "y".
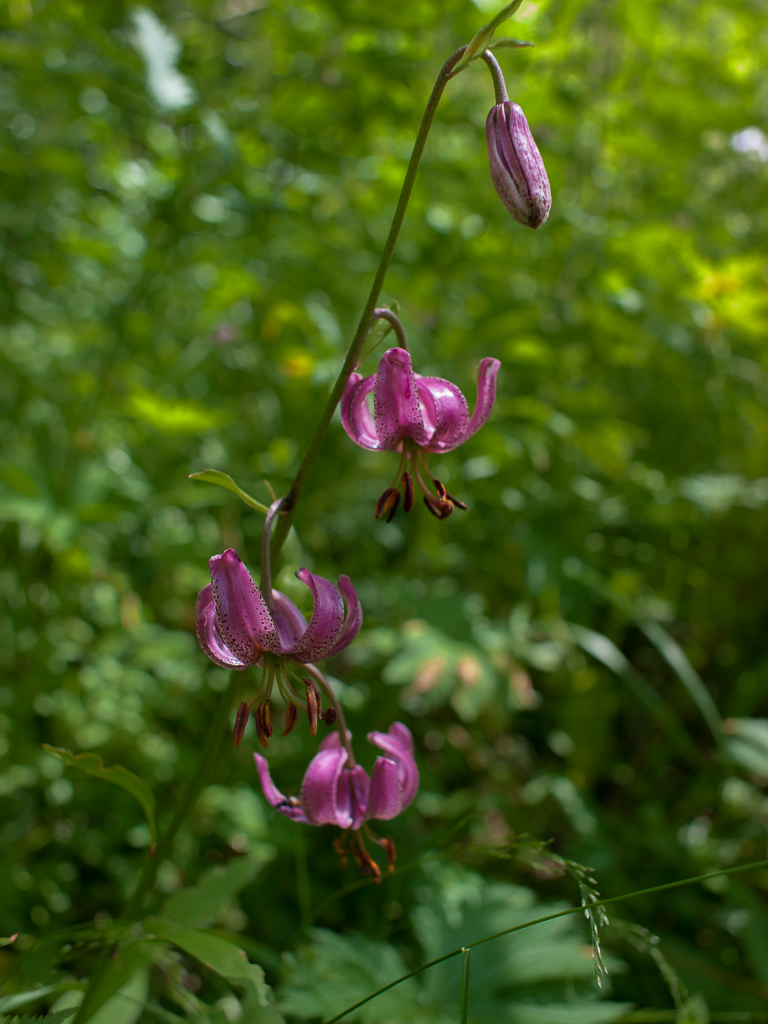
{"x": 189, "y": 230}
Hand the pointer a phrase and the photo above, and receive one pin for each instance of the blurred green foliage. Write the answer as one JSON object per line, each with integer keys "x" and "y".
{"x": 194, "y": 202}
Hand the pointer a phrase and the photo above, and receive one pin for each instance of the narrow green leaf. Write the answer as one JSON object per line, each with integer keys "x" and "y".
{"x": 483, "y": 38}
{"x": 8, "y": 941}
{"x": 508, "y": 44}
{"x": 608, "y": 654}
{"x": 16, "y": 999}
{"x": 215, "y": 476}
{"x": 675, "y": 657}
{"x": 92, "y": 764}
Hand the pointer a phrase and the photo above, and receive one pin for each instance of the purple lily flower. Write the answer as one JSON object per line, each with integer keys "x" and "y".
{"x": 336, "y": 791}
{"x": 414, "y": 415}
{"x": 517, "y": 169}
{"x": 237, "y": 629}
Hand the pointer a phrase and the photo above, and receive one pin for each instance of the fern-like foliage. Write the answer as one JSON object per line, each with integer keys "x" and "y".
{"x": 47, "y": 1018}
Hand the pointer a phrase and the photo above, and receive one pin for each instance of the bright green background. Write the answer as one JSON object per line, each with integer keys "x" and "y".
{"x": 179, "y": 287}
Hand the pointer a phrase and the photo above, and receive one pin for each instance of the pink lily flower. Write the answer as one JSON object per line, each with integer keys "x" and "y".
{"x": 336, "y": 791}
{"x": 414, "y": 415}
{"x": 236, "y": 628}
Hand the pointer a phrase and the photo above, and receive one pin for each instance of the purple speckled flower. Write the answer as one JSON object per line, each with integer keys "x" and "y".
{"x": 336, "y": 793}
{"x": 517, "y": 170}
{"x": 236, "y": 628}
{"x": 414, "y": 415}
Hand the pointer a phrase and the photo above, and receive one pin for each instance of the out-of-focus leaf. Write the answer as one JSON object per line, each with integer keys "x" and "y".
{"x": 174, "y": 416}
{"x": 201, "y": 902}
{"x": 227, "y": 960}
{"x": 130, "y": 960}
{"x": 747, "y": 743}
{"x": 335, "y": 971}
{"x": 92, "y": 764}
{"x": 215, "y": 476}
{"x": 437, "y": 669}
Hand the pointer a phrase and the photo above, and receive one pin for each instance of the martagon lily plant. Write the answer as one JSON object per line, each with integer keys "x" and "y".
{"x": 242, "y": 626}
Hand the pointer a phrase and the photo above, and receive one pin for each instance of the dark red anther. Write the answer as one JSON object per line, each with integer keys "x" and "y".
{"x": 441, "y": 491}
{"x": 264, "y": 723}
{"x": 407, "y": 492}
{"x": 313, "y": 706}
{"x": 456, "y": 502}
{"x": 395, "y": 506}
{"x": 243, "y": 714}
{"x": 329, "y": 716}
{"x": 291, "y": 714}
{"x": 365, "y": 861}
{"x": 385, "y": 501}
{"x": 439, "y": 509}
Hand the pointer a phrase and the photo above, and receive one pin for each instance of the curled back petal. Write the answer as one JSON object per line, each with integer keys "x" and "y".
{"x": 323, "y": 631}
{"x": 487, "y": 373}
{"x": 397, "y": 744}
{"x": 353, "y": 619}
{"x": 244, "y": 619}
{"x": 288, "y": 806}
{"x": 446, "y": 409}
{"x": 385, "y": 797}
{"x": 209, "y": 636}
{"x": 355, "y": 415}
{"x": 320, "y": 790}
{"x": 396, "y": 401}
{"x": 291, "y": 624}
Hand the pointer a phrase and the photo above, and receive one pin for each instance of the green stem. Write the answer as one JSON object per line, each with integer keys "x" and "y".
{"x": 353, "y": 355}
{"x": 265, "y": 583}
{"x": 341, "y": 722}
{"x": 303, "y": 890}
{"x": 466, "y": 953}
{"x": 542, "y": 920}
{"x": 499, "y": 85}
{"x": 146, "y": 883}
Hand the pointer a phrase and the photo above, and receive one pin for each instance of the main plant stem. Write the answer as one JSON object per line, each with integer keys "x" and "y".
{"x": 288, "y": 506}
{"x": 146, "y": 882}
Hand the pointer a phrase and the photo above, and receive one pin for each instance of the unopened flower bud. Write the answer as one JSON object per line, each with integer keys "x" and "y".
{"x": 517, "y": 170}
{"x": 241, "y": 721}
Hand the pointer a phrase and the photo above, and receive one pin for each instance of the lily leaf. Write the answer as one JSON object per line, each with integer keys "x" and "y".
{"x": 483, "y": 38}
{"x": 215, "y": 476}
{"x": 92, "y": 764}
{"x": 508, "y": 44}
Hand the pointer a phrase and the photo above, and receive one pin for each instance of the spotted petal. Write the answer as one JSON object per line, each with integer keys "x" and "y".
{"x": 324, "y": 630}
{"x": 396, "y": 401}
{"x": 397, "y": 744}
{"x": 445, "y": 411}
{"x": 209, "y": 636}
{"x": 385, "y": 798}
{"x": 353, "y": 619}
{"x": 291, "y": 624}
{"x": 454, "y": 433}
{"x": 244, "y": 620}
{"x": 288, "y": 806}
{"x": 355, "y": 415}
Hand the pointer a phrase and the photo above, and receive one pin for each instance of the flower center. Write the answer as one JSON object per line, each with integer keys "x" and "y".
{"x": 414, "y": 460}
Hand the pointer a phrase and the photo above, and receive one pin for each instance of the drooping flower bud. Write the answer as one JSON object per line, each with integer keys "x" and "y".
{"x": 517, "y": 170}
